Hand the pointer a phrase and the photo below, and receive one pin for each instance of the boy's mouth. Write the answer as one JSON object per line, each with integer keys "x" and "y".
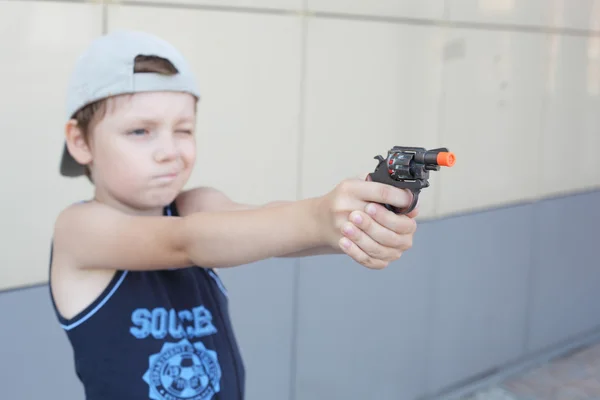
{"x": 166, "y": 177}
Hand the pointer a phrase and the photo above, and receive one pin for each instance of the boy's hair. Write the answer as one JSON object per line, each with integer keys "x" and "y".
{"x": 91, "y": 113}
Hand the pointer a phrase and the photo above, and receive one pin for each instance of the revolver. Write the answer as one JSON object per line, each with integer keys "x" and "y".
{"x": 408, "y": 168}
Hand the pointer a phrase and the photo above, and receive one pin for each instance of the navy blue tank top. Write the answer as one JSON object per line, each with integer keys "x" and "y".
{"x": 159, "y": 335}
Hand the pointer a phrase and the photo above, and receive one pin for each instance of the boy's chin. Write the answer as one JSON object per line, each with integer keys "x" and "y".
{"x": 162, "y": 198}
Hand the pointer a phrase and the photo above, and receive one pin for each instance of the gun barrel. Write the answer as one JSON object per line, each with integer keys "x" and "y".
{"x": 443, "y": 158}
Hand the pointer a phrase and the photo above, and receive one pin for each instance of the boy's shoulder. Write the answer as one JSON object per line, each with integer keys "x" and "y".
{"x": 83, "y": 211}
{"x": 75, "y": 220}
{"x": 206, "y": 199}
{"x": 198, "y": 199}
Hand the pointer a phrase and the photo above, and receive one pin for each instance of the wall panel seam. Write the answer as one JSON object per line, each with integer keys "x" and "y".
{"x": 511, "y": 27}
{"x": 301, "y": 132}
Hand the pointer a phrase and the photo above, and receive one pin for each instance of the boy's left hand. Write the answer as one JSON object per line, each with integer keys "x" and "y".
{"x": 376, "y": 226}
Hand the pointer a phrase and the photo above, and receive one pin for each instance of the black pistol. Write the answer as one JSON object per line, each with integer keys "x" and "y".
{"x": 408, "y": 168}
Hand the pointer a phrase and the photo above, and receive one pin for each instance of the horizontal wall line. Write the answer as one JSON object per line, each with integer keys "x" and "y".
{"x": 513, "y": 204}
{"x": 209, "y": 7}
{"x": 423, "y": 221}
{"x": 483, "y": 26}
{"x": 26, "y": 286}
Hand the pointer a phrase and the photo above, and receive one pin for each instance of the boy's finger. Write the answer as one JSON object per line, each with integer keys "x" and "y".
{"x": 351, "y": 249}
{"x": 414, "y": 213}
{"x": 400, "y": 224}
{"x": 381, "y": 193}
{"x": 379, "y": 233}
{"x": 369, "y": 244}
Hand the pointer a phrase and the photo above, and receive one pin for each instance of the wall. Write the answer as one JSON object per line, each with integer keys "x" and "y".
{"x": 502, "y": 265}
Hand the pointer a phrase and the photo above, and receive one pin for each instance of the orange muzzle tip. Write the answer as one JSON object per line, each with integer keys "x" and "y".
{"x": 446, "y": 158}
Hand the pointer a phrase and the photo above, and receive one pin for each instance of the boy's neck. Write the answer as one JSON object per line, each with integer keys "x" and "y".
{"x": 127, "y": 209}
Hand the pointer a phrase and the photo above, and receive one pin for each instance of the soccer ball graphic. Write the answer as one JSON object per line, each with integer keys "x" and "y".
{"x": 183, "y": 371}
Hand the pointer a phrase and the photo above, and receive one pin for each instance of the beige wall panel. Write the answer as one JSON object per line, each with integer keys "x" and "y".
{"x": 369, "y": 87}
{"x": 511, "y": 12}
{"x": 569, "y": 150}
{"x": 574, "y": 14}
{"x": 492, "y": 112}
{"x": 248, "y": 69}
{"x": 39, "y": 42}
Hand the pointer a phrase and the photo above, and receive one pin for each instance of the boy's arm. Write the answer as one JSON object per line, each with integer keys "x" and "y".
{"x": 209, "y": 199}
{"x": 93, "y": 235}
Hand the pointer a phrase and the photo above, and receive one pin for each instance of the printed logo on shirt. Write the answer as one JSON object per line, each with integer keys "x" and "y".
{"x": 160, "y": 322}
{"x": 183, "y": 371}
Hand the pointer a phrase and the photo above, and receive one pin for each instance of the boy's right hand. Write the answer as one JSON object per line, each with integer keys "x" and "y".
{"x": 354, "y": 220}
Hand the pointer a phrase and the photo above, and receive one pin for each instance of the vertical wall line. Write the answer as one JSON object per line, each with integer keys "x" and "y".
{"x": 432, "y": 276}
{"x": 299, "y": 195}
{"x": 104, "y": 17}
{"x": 441, "y": 106}
{"x": 534, "y": 242}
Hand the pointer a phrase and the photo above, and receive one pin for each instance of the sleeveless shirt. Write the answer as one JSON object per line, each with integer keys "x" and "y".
{"x": 159, "y": 335}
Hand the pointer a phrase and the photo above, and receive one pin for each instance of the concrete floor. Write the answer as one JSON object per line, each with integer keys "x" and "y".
{"x": 573, "y": 377}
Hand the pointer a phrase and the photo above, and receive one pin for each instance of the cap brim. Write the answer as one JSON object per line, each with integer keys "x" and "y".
{"x": 68, "y": 166}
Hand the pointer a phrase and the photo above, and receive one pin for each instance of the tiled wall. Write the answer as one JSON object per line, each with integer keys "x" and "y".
{"x": 307, "y": 93}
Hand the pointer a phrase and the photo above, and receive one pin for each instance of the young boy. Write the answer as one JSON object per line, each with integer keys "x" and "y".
{"x": 132, "y": 271}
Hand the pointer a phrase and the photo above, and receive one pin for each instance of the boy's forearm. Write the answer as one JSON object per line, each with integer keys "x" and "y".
{"x": 225, "y": 239}
{"x": 313, "y": 251}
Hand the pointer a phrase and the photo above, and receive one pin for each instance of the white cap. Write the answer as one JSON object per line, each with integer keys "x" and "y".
{"x": 105, "y": 69}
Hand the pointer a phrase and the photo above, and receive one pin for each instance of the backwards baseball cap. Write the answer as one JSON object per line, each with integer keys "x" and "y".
{"x": 106, "y": 69}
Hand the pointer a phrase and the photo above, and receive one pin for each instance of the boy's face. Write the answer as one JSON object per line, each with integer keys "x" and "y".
{"x": 143, "y": 150}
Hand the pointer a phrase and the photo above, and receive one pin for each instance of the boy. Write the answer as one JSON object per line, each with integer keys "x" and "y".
{"x": 132, "y": 271}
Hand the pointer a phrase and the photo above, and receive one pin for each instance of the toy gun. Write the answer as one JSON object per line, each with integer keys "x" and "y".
{"x": 408, "y": 168}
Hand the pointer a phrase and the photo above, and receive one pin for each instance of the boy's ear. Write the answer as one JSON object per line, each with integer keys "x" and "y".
{"x": 77, "y": 144}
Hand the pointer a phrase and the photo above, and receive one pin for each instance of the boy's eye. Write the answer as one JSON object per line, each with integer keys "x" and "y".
{"x": 185, "y": 131}
{"x": 138, "y": 132}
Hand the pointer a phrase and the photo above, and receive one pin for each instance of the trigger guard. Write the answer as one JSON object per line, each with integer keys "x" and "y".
{"x": 413, "y": 205}
{"x": 415, "y": 200}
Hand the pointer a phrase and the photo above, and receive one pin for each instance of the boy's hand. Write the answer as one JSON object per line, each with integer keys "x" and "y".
{"x": 357, "y": 223}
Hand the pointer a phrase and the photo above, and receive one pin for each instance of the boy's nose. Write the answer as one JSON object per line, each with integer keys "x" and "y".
{"x": 166, "y": 151}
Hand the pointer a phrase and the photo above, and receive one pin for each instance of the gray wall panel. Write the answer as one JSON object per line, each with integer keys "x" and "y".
{"x": 362, "y": 334}
{"x": 36, "y": 361}
{"x": 261, "y": 307}
{"x": 565, "y": 296}
{"x": 459, "y": 303}
{"x": 479, "y": 293}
